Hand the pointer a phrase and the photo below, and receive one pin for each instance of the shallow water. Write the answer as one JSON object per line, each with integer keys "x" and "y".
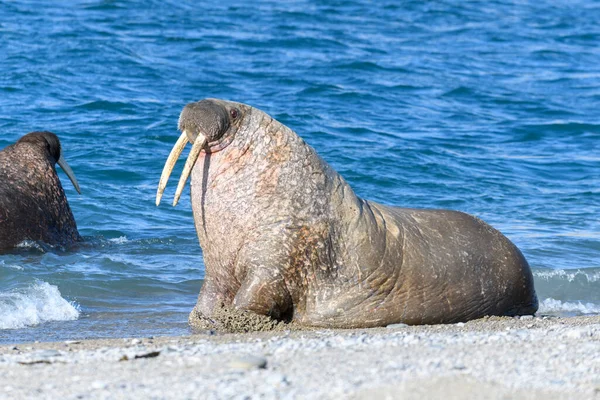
{"x": 486, "y": 107}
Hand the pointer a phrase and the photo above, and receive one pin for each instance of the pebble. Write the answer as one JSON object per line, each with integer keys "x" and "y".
{"x": 98, "y": 385}
{"x": 277, "y": 380}
{"x": 410, "y": 339}
{"x": 172, "y": 349}
{"x": 248, "y": 362}
{"x": 526, "y": 316}
{"x": 46, "y": 354}
{"x": 135, "y": 341}
{"x": 574, "y": 334}
{"x": 394, "y": 326}
{"x": 151, "y": 354}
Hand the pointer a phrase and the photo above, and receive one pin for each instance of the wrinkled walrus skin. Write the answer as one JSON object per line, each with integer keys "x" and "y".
{"x": 284, "y": 235}
{"x": 33, "y": 205}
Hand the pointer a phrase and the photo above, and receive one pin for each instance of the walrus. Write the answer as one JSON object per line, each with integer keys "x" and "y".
{"x": 33, "y": 205}
{"x": 284, "y": 236}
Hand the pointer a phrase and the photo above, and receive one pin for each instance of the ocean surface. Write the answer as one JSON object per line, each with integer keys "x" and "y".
{"x": 488, "y": 107}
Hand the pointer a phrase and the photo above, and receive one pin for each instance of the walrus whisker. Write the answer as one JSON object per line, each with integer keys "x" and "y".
{"x": 189, "y": 164}
{"x": 63, "y": 164}
{"x": 170, "y": 164}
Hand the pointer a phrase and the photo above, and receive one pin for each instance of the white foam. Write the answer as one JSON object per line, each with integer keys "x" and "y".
{"x": 38, "y": 303}
{"x": 119, "y": 240}
{"x": 30, "y": 244}
{"x": 553, "y": 306}
{"x": 592, "y": 275}
{"x": 12, "y": 266}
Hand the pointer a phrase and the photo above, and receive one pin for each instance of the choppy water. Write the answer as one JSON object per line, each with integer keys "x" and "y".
{"x": 489, "y": 107}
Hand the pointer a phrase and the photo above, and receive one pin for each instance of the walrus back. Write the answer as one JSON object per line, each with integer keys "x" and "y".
{"x": 420, "y": 267}
{"x": 463, "y": 267}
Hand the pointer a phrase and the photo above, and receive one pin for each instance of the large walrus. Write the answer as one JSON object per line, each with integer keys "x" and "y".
{"x": 33, "y": 204}
{"x": 283, "y": 235}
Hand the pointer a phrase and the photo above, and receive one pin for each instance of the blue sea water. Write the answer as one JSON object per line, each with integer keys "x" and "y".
{"x": 489, "y": 107}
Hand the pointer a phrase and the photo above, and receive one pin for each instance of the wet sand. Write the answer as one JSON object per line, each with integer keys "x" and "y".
{"x": 492, "y": 358}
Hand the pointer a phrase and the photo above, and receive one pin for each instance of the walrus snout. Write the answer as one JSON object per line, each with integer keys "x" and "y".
{"x": 209, "y": 122}
{"x": 200, "y": 123}
{"x": 206, "y": 117}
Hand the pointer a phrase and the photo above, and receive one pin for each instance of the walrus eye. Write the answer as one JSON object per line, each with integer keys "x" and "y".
{"x": 234, "y": 113}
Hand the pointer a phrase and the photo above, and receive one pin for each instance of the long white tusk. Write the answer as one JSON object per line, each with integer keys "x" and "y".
{"x": 189, "y": 164}
{"x": 63, "y": 164}
{"x": 170, "y": 164}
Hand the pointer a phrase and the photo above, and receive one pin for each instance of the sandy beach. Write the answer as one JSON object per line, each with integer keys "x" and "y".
{"x": 492, "y": 358}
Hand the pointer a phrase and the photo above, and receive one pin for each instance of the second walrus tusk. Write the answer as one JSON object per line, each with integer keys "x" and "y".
{"x": 189, "y": 164}
{"x": 63, "y": 164}
{"x": 170, "y": 164}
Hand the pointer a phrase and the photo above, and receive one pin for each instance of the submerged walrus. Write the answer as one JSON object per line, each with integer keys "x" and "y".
{"x": 283, "y": 235}
{"x": 33, "y": 204}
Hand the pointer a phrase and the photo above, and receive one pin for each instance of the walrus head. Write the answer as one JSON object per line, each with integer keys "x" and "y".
{"x": 210, "y": 124}
{"x": 48, "y": 143}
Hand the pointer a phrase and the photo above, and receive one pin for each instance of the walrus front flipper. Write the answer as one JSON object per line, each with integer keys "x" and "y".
{"x": 265, "y": 295}
{"x": 232, "y": 320}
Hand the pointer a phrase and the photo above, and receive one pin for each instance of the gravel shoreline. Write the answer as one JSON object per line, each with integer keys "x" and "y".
{"x": 491, "y": 358}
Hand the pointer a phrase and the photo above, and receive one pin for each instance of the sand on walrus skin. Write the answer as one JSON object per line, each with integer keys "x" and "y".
{"x": 490, "y": 358}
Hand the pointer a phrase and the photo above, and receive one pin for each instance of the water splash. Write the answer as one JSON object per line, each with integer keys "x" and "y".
{"x": 38, "y": 303}
{"x": 33, "y": 245}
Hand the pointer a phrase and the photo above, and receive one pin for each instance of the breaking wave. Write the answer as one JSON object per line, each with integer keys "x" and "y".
{"x": 590, "y": 275}
{"x": 567, "y": 308}
{"x": 40, "y": 302}
{"x": 568, "y": 292}
{"x": 569, "y": 286}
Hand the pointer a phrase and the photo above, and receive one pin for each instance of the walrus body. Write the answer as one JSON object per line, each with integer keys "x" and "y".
{"x": 33, "y": 205}
{"x": 284, "y": 235}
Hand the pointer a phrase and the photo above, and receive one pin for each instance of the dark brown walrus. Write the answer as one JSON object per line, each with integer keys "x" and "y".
{"x": 283, "y": 235}
{"x": 33, "y": 204}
